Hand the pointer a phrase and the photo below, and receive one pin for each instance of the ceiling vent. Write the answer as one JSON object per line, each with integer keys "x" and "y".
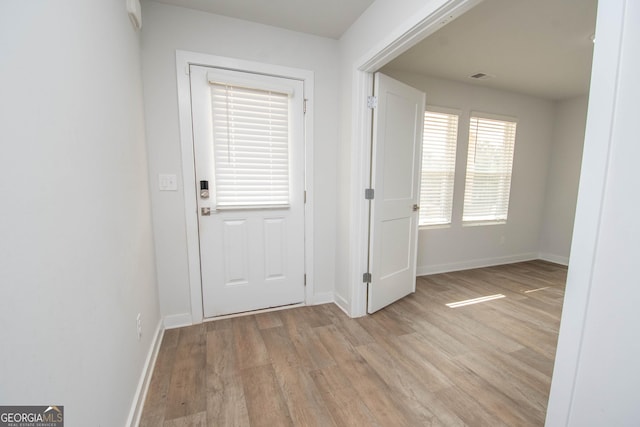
{"x": 481, "y": 76}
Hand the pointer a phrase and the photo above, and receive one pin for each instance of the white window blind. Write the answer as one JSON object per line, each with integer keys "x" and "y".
{"x": 438, "y": 167}
{"x": 489, "y": 164}
{"x": 251, "y": 147}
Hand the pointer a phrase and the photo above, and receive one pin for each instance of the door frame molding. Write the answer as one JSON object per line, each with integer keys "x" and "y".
{"x": 183, "y": 60}
{"x": 406, "y": 36}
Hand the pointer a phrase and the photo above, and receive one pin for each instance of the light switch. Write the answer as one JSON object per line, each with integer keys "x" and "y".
{"x": 167, "y": 182}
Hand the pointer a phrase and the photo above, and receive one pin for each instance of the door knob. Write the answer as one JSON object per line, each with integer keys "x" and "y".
{"x": 416, "y": 207}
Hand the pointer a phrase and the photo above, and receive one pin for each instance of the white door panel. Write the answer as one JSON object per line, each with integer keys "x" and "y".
{"x": 397, "y": 148}
{"x": 251, "y": 257}
{"x": 274, "y": 248}
{"x": 395, "y": 234}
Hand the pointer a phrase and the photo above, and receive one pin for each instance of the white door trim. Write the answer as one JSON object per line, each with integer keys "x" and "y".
{"x": 183, "y": 60}
{"x": 600, "y": 136}
{"x": 406, "y": 36}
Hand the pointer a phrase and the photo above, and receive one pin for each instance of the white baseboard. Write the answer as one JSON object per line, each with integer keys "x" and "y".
{"x": 323, "y": 298}
{"x": 426, "y": 270}
{"x": 342, "y": 303}
{"x": 342, "y": 309}
{"x": 145, "y": 379}
{"x": 556, "y": 259}
{"x": 177, "y": 321}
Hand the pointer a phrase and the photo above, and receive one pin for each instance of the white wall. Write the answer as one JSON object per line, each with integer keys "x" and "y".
{"x": 458, "y": 247}
{"x": 76, "y": 252}
{"x": 168, "y": 28}
{"x": 562, "y": 181}
{"x": 596, "y": 374}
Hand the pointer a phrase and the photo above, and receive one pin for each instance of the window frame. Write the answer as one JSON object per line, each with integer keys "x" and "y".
{"x": 458, "y": 114}
{"x": 494, "y": 117}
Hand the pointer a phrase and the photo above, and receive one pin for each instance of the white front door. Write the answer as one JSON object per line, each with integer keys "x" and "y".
{"x": 249, "y": 159}
{"x": 397, "y": 147}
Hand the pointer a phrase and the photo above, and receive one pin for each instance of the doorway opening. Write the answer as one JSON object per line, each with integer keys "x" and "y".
{"x": 561, "y": 152}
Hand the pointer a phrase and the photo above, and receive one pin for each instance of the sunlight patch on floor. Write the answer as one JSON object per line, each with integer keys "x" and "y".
{"x": 536, "y": 290}
{"x": 474, "y": 301}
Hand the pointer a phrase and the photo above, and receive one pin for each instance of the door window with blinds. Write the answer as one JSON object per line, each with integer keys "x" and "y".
{"x": 439, "y": 142}
{"x": 250, "y": 124}
{"x": 489, "y": 164}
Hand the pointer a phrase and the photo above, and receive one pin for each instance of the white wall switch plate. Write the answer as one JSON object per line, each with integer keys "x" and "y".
{"x": 167, "y": 182}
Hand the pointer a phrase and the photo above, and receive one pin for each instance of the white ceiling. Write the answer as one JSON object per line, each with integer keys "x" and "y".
{"x": 536, "y": 47}
{"x": 326, "y": 18}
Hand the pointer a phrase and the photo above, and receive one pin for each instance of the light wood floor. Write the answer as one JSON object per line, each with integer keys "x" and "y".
{"x": 415, "y": 363}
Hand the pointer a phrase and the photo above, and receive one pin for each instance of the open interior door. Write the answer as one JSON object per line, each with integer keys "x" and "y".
{"x": 396, "y": 157}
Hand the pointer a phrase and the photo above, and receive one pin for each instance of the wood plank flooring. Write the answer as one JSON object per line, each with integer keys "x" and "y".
{"x": 417, "y": 362}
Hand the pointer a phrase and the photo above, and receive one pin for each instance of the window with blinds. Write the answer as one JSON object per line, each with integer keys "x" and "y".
{"x": 489, "y": 164}
{"x": 438, "y": 167}
{"x": 251, "y": 147}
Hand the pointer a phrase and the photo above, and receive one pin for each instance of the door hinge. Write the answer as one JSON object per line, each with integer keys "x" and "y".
{"x": 304, "y": 106}
{"x": 372, "y": 101}
{"x": 305, "y": 280}
{"x": 368, "y": 193}
{"x": 366, "y": 278}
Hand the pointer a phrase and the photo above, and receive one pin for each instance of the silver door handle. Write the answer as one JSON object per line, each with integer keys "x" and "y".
{"x": 416, "y": 207}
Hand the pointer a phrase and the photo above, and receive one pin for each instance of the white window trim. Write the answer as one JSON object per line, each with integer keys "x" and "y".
{"x": 492, "y": 116}
{"x": 183, "y": 60}
{"x": 445, "y": 110}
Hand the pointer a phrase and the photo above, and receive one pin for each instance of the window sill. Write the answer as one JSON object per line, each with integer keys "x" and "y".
{"x": 483, "y": 223}
{"x": 433, "y": 226}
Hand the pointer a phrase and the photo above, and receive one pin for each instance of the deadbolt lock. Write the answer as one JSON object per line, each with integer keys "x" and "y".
{"x": 204, "y": 189}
